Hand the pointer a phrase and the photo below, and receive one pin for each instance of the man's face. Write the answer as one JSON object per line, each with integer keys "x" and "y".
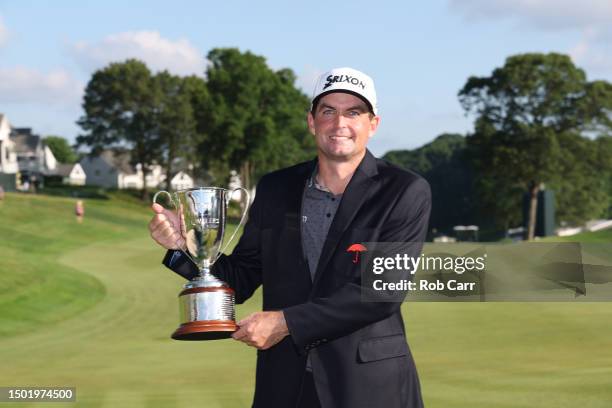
{"x": 342, "y": 126}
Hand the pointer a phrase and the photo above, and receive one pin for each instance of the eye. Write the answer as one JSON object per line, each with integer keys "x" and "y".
{"x": 353, "y": 113}
{"x": 328, "y": 112}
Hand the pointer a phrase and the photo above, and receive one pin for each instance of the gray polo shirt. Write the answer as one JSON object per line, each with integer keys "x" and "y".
{"x": 319, "y": 206}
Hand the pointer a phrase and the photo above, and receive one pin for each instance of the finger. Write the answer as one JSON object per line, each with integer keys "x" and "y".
{"x": 241, "y": 337}
{"x": 157, "y": 208}
{"x": 240, "y": 333}
{"x": 174, "y": 219}
{"x": 163, "y": 223}
{"x": 167, "y": 238}
{"x": 249, "y": 342}
{"x": 158, "y": 219}
{"x": 246, "y": 319}
{"x": 171, "y": 241}
{"x": 155, "y": 221}
{"x": 164, "y": 230}
{"x": 162, "y": 213}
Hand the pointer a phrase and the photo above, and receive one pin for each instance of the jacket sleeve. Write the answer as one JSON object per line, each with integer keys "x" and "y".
{"x": 322, "y": 319}
{"x": 242, "y": 269}
{"x": 180, "y": 263}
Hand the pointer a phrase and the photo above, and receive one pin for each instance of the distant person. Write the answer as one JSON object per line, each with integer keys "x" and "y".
{"x": 319, "y": 344}
{"x": 1, "y": 193}
{"x": 79, "y": 210}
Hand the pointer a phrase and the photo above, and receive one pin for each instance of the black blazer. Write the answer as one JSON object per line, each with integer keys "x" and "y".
{"x": 359, "y": 353}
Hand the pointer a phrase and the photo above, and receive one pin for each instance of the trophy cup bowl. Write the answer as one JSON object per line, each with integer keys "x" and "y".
{"x": 206, "y": 304}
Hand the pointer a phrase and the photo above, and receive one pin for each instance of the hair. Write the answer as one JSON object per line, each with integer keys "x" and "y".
{"x": 315, "y": 102}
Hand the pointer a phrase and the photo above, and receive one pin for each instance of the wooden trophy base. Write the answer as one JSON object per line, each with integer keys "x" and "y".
{"x": 205, "y": 330}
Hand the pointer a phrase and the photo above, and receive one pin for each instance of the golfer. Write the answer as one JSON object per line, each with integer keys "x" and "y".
{"x": 319, "y": 344}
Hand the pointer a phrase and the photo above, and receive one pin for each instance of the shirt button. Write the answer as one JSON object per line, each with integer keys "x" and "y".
{"x": 333, "y": 199}
{"x": 328, "y": 215}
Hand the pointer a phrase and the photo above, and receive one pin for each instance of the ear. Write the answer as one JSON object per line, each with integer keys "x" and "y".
{"x": 310, "y": 120}
{"x": 374, "y": 122}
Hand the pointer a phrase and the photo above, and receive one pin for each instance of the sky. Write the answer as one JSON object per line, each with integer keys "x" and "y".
{"x": 419, "y": 53}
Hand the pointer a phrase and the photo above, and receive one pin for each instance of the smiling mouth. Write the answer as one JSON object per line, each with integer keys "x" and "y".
{"x": 340, "y": 137}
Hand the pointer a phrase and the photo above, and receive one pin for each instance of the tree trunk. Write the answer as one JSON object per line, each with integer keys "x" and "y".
{"x": 245, "y": 175}
{"x": 534, "y": 189}
{"x": 143, "y": 194}
{"x": 169, "y": 170}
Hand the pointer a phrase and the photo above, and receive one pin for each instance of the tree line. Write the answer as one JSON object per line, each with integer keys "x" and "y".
{"x": 240, "y": 114}
{"x": 538, "y": 122}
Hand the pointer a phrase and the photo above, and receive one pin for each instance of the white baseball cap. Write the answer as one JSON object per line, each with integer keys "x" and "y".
{"x": 347, "y": 80}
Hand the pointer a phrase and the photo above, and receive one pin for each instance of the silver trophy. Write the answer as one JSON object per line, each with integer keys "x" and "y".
{"x": 207, "y": 304}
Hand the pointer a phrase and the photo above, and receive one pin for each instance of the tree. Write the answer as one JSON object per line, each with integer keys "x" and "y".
{"x": 580, "y": 183}
{"x": 604, "y": 163}
{"x": 61, "y": 149}
{"x": 175, "y": 118}
{"x": 257, "y": 121}
{"x": 527, "y": 112}
{"x": 121, "y": 105}
{"x": 443, "y": 163}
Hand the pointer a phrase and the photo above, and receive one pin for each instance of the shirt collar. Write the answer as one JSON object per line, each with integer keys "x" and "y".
{"x": 312, "y": 181}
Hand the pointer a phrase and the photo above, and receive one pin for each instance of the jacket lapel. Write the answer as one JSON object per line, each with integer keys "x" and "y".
{"x": 358, "y": 190}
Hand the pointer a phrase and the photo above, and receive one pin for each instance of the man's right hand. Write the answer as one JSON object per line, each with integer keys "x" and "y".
{"x": 165, "y": 228}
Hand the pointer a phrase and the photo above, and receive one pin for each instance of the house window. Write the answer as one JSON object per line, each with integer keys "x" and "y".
{"x": 97, "y": 172}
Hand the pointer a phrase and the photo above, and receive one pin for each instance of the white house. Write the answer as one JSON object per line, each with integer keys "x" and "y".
{"x": 72, "y": 174}
{"x": 34, "y": 159}
{"x": 8, "y": 157}
{"x": 181, "y": 181}
{"x": 235, "y": 182}
{"x": 112, "y": 169}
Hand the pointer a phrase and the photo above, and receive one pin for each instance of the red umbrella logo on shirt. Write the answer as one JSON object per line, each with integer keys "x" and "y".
{"x": 357, "y": 249}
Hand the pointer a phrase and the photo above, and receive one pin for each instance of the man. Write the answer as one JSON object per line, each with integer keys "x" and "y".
{"x": 318, "y": 343}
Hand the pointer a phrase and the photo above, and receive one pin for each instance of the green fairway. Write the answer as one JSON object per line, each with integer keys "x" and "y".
{"x": 90, "y": 306}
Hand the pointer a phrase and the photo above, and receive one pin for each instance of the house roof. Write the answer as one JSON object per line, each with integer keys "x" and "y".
{"x": 181, "y": 175}
{"x": 119, "y": 159}
{"x": 25, "y": 141}
{"x": 64, "y": 170}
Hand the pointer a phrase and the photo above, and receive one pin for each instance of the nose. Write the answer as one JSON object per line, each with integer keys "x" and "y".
{"x": 341, "y": 121}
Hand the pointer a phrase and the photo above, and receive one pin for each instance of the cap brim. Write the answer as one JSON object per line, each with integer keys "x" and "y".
{"x": 315, "y": 101}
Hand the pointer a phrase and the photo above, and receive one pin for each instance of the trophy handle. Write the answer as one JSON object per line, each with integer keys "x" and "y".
{"x": 186, "y": 253}
{"x": 241, "y": 223}
{"x": 169, "y": 196}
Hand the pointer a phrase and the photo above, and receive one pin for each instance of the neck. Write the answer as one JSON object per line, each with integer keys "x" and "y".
{"x": 335, "y": 175}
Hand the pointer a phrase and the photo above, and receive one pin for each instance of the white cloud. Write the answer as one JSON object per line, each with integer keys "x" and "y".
{"x": 178, "y": 57}
{"x": 540, "y": 14}
{"x": 589, "y": 54}
{"x": 3, "y": 32}
{"x": 591, "y": 20}
{"x": 26, "y": 85}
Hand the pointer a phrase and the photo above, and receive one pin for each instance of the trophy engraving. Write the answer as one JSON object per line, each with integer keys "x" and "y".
{"x": 207, "y": 304}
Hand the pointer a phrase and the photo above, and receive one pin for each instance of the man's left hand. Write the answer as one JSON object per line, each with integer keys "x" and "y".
{"x": 262, "y": 330}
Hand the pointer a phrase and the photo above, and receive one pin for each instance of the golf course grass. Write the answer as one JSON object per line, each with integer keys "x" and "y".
{"x": 89, "y": 305}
